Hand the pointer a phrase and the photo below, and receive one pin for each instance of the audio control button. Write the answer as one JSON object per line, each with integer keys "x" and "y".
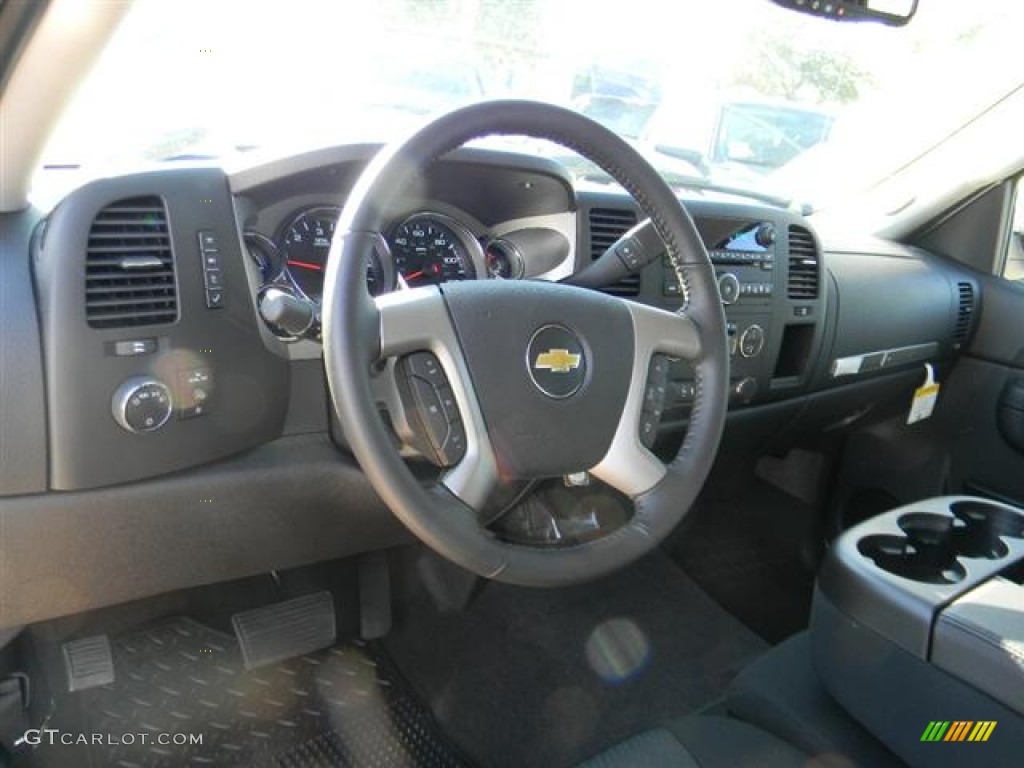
{"x": 729, "y": 288}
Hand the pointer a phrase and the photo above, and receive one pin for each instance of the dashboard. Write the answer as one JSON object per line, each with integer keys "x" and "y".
{"x": 155, "y": 404}
{"x": 167, "y": 345}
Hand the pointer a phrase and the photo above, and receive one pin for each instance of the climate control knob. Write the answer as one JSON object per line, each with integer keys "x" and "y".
{"x": 729, "y": 288}
{"x": 142, "y": 404}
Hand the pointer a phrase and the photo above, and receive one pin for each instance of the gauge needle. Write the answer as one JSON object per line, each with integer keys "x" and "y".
{"x": 305, "y": 265}
{"x": 414, "y": 275}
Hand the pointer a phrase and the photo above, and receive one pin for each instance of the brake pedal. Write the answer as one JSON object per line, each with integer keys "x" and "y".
{"x": 88, "y": 663}
{"x": 285, "y": 630}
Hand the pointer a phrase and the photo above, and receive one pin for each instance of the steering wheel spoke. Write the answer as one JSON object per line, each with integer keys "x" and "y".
{"x": 629, "y": 466}
{"x": 430, "y": 393}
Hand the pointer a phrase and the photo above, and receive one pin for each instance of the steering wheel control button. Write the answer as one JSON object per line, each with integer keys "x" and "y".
{"x": 557, "y": 361}
{"x": 142, "y": 404}
{"x": 657, "y": 385}
{"x": 655, "y": 394}
{"x": 729, "y": 288}
{"x": 425, "y": 365}
{"x": 752, "y": 341}
{"x": 432, "y": 411}
{"x": 213, "y": 284}
{"x": 195, "y": 389}
{"x": 670, "y": 284}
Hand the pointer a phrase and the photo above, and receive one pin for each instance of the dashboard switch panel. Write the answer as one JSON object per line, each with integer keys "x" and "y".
{"x": 433, "y": 413}
{"x": 194, "y": 391}
{"x": 213, "y": 283}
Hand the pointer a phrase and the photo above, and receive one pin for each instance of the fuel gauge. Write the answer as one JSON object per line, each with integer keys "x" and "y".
{"x": 265, "y": 255}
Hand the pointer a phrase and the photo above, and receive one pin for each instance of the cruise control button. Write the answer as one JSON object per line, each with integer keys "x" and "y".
{"x": 448, "y": 404}
{"x": 427, "y": 366}
{"x": 648, "y": 430}
{"x": 455, "y": 446}
{"x": 430, "y": 412}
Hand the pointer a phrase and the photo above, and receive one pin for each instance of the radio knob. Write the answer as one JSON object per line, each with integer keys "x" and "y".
{"x": 142, "y": 404}
{"x": 765, "y": 235}
{"x": 729, "y": 288}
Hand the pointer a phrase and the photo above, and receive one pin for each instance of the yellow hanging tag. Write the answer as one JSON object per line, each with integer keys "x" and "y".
{"x": 924, "y": 398}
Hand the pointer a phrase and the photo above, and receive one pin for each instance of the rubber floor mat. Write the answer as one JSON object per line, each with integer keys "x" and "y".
{"x": 343, "y": 707}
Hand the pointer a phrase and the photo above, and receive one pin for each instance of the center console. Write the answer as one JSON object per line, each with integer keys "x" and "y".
{"x": 918, "y": 628}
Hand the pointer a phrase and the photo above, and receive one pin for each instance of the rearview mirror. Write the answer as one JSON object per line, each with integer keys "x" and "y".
{"x": 894, "y": 13}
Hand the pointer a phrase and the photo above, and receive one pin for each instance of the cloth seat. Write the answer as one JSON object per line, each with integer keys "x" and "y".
{"x": 782, "y": 694}
{"x": 701, "y": 742}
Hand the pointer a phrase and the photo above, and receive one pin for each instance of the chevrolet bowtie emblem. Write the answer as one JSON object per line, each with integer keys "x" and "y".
{"x": 557, "y": 361}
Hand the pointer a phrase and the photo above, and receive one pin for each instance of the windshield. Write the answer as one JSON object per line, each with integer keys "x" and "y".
{"x": 738, "y": 94}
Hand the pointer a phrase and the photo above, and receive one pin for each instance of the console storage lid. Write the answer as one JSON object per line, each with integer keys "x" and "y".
{"x": 980, "y": 639}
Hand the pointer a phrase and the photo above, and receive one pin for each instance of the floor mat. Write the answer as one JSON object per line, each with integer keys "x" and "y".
{"x": 746, "y": 553}
{"x": 548, "y": 677}
{"x": 341, "y": 707}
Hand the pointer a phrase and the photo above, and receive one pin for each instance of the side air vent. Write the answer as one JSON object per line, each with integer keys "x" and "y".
{"x": 964, "y": 313}
{"x": 129, "y": 266}
{"x": 606, "y": 226}
{"x": 803, "y": 265}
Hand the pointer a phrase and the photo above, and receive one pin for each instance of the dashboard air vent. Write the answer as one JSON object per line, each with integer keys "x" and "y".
{"x": 129, "y": 266}
{"x": 964, "y": 313}
{"x": 803, "y": 265}
{"x": 606, "y": 226}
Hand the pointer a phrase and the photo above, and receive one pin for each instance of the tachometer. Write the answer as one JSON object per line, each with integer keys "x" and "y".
{"x": 305, "y": 244}
{"x": 428, "y": 250}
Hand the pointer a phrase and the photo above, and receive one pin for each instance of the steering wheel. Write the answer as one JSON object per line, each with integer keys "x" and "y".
{"x": 548, "y": 379}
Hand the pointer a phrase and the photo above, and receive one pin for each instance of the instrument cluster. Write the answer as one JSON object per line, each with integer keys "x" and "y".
{"x": 425, "y": 248}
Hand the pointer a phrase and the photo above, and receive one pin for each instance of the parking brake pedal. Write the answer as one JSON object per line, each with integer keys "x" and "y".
{"x": 88, "y": 663}
{"x": 285, "y": 630}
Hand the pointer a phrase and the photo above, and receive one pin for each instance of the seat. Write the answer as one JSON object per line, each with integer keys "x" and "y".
{"x": 701, "y": 742}
{"x": 782, "y": 693}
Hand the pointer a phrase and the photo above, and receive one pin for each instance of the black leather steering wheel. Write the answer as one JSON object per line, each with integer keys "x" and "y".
{"x": 491, "y": 335}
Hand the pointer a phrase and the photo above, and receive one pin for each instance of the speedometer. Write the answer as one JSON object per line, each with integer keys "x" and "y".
{"x": 428, "y": 250}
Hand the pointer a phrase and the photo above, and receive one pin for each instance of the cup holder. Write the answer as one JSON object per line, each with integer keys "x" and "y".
{"x": 932, "y": 544}
{"x": 926, "y": 552}
{"x": 986, "y": 521}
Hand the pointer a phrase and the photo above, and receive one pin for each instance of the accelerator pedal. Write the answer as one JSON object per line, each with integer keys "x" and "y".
{"x": 285, "y": 630}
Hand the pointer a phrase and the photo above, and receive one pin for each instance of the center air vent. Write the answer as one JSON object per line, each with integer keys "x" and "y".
{"x": 964, "y": 313}
{"x": 803, "y": 265}
{"x": 606, "y": 226}
{"x": 129, "y": 266}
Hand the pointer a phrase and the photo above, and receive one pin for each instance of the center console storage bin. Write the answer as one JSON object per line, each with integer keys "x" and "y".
{"x": 918, "y": 617}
